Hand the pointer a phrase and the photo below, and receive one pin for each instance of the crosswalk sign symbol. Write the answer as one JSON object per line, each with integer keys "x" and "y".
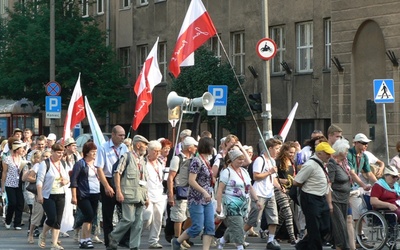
{"x": 384, "y": 91}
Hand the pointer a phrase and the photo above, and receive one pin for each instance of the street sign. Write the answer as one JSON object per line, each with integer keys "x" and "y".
{"x": 220, "y": 93}
{"x": 266, "y": 48}
{"x": 53, "y": 107}
{"x": 384, "y": 91}
{"x": 53, "y": 88}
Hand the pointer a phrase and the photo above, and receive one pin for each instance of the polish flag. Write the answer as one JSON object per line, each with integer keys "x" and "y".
{"x": 149, "y": 77}
{"x": 76, "y": 110}
{"x": 98, "y": 137}
{"x": 288, "y": 123}
{"x": 196, "y": 29}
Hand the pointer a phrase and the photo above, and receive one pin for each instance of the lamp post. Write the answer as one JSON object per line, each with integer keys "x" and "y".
{"x": 52, "y": 55}
{"x": 266, "y": 87}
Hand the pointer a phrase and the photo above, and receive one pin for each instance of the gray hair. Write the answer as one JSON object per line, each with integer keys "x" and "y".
{"x": 341, "y": 146}
{"x": 154, "y": 144}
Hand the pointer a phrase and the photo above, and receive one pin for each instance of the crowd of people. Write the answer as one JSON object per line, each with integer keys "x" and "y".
{"x": 109, "y": 193}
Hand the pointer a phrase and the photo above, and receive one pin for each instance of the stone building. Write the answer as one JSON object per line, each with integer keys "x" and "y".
{"x": 309, "y": 33}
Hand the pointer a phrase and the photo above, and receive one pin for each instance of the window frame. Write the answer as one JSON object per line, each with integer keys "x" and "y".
{"x": 239, "y": 55}
{"x": 307, "y": 47}
{"x": 125, "y": 60}
{"x": 85, "y": 8}
{"x": 98, "y": 4}
{"x": 142, "y": 2}
{"x": 215, "y": 46}
{"x": 162, "y": 60}
{"x": 142, "y": 52}
{"x": 328, "y": 43}
{"x": 280, "y": 41}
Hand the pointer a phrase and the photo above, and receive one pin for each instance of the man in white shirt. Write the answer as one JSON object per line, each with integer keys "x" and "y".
{"x": 264, "y": 174}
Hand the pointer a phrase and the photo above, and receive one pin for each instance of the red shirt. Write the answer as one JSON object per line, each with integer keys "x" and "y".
{"x": 383, "y": 194}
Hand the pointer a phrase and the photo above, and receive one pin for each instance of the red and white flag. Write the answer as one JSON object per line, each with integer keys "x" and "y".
{"x": 149, "y": 77}
{"x": 288, "y": 123}
{"x": 76, "y": 110}
{"x": 196, "y": 29}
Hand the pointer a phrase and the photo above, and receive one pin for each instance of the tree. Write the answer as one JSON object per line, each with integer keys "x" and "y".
{"x": 209, "y": 70}
{"x": 80, "y": 47}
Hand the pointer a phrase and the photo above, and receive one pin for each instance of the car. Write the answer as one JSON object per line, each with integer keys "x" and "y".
{"x": 83, "y": 138}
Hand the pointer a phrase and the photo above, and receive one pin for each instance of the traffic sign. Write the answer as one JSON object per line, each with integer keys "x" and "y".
{"x": 53, "y": 107}
{"x": 53, "y": 88}
{"x": 384, "y": 91}
{"x": 220, "y": 93}
{"x": 266, "y": 48}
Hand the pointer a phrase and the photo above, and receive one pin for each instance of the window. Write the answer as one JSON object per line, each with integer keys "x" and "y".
{"x": 328, "y": 41}
{"x": 143, "y": 2}
{"x": 238, "y": 55}
{"x": 100, "y": 6}
{"x": 125, "y": 59}
{"x": 85, "y": 8}
{"x": 215, "y": 46}
{"x": 304, "y": 46}
{"x": 158, "y": 1}
{"x": 141, "y": 57}
{"x": 162, "y": 60}
{"x": 3, "y": 6}
{"x": 125, "y": 4}
{"x": 278, "y": 35}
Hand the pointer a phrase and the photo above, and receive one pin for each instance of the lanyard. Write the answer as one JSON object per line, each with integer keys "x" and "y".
{"x": 240, "y": 174}
{"x": 94, "y": 170}
{"x": 155, "y": 169}
{"x": 58, "y": 168}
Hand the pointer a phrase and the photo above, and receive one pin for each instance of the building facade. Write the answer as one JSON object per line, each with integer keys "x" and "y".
{"x": 357, "y": 34}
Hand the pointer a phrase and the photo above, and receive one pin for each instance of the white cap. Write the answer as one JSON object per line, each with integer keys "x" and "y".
{"x": 360, "y": 137}
{"x": 52, "y": 137}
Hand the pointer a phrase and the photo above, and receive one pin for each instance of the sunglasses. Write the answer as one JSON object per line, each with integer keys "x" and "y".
{"x": 395, "y": 176}
{"x": 363, "y": 143}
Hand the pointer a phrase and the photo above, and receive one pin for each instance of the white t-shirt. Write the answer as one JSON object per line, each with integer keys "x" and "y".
{"x": 155, "y": 187}
{"x": 371, "y": 157}
{"x": 265, "y": 187}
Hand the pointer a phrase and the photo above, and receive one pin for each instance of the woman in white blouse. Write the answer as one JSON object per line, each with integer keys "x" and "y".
{"x": 52, "y": 178}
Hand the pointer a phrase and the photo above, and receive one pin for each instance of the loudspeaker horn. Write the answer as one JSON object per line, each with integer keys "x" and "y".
{"x": 174, "y": 100}
{"x": 207, "y": 101}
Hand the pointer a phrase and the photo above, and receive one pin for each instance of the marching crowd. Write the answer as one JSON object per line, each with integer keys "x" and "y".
{"x": 223, "y": 194}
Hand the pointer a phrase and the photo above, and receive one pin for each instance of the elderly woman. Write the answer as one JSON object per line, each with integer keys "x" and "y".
{"x": 234, "y": 191}
{"x": 339, "y": 176}
{"x": 201, "y": 208}
{"x": 52, "y": 179}
{"x": 85, "y": 188}
{"x": 165, "y": 148}
{"x": 12, "y": 183}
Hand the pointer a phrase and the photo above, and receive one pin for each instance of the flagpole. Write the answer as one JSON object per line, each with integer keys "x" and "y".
{"x": 244, "y": 94}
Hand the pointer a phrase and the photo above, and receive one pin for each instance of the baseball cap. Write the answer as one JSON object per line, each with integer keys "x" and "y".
{"x": 390, "y": 169}
{"x": 18, "y": 144}
{"x": 189, "y": 141}
{"x": 52, "y": 137}
{"x": 324, "y": 146}
{"x": 139, "y": 138}
{"x": 234, "y": 153}
{"x": 185, "y": 132}
{"x": 360, "y": 137}
{"x": 69, "y": 141}
{"x": 17, "y": 130}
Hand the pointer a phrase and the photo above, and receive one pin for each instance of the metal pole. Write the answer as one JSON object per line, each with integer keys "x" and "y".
{"x": 386, "y": 135}
{"x": 52, "y": 55}
{"x": 216, "y": 132}
{"x": 266, "y": 88}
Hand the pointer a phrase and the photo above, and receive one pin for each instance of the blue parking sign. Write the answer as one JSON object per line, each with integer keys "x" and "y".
{"x": 220, "y": 93}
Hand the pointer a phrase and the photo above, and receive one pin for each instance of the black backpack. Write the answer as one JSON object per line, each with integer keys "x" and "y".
{"x": 250, "y": 169}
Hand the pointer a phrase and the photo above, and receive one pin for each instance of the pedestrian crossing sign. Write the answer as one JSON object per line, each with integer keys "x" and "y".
{"x": 384, "y": 91}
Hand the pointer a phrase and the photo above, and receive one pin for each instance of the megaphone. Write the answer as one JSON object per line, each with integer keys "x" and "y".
{"x": 207, "y": 101}
{"x": 174, "y": 100}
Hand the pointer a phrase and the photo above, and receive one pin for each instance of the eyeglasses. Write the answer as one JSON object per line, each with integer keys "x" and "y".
{"x": 363, "y": 143}
{"x": 395, "y": 176}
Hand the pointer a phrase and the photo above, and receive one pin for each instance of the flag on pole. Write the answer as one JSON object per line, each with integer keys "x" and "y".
{"x": 76, "y": 110}
{"x": 288, "y": 123}
{"x": 149, "y": 77}
{"x": 98, "y": 137}
{"x": 196, "y": 29}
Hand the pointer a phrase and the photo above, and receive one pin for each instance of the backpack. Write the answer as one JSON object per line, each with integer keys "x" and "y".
{"x": 221, "y": 165}
{"x": 182, "y": 178}
{"x": 250, "y": 169}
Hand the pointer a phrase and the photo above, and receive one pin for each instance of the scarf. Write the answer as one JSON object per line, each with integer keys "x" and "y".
{"x": 381, "y": 182}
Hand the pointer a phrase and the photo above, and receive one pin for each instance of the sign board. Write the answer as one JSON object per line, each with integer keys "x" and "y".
{"x": 384, "y": 91}
{"x": 266, "y": 49}
{"x": 220, "y": 93}
{"x": 53, "y": 107}
{"x": 174, "y": 115}
{"x": 53, "y": 88}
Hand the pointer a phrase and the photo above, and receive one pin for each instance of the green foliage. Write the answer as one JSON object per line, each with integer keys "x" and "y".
{"x": 208, "y": 70}
{"x": 80, "y": 47}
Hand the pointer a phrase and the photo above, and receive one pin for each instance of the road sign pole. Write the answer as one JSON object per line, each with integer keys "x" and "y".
{"x": 386, "y": 134}
{"x": 216, "y": 133}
